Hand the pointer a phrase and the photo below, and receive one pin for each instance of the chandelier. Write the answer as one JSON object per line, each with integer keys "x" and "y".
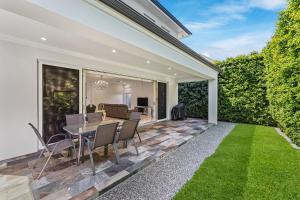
{"x": 101, "y": 84}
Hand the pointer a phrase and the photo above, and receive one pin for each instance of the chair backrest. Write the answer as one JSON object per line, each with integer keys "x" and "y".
{"x": 128, "y": 129}
{"x": 94, "y": 117}
{"x": 37, "y": 133}
{"x": 105, "y": 134}
{"x": 74, "y": 119}
{"x": 135, "y": 116}
{"x": 100, "y": 106}
{"x": 91, "y": 108}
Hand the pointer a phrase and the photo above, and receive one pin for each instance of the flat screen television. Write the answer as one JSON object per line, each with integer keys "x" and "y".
{"x": 142, "y": 101}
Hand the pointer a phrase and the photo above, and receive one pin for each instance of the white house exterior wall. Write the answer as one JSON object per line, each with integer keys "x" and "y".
{"x": 19, "y": 96}
{"x": 19, "y": 62}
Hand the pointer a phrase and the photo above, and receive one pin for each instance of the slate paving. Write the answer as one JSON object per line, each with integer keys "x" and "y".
{"x": 65, "y": 180}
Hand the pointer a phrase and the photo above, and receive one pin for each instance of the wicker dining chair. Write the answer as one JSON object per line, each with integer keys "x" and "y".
{"x": 53, "y": 148}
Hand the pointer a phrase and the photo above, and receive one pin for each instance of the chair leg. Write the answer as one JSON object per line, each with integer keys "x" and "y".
{"x": 44, "y": 167}
{"x": 116, "y": 150}
{"x": 74, "y": 152}
{"x": 125, "y": 144}
{"x": 35, "y": 163}
{"x": 41, "y": 153}
{"x": 82, "y": 151}
{"x": 92, "y": 159}
{"x": 136, "y": 148}
{"x": 105, "y": 150}
{"x": 139, "y": 136}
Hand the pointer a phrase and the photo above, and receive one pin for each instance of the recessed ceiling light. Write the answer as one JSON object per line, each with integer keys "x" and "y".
{"x": 175, "y": 74}
{"x": 148, "y": 61}
{"x": 114, "y": 51}
{"x": 43, "y": 38}
{"x": 169, "y": 68}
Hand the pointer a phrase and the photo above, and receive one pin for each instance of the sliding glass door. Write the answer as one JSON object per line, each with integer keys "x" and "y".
{"x": 60, "y": 96}
{"x": 162, "y": 100}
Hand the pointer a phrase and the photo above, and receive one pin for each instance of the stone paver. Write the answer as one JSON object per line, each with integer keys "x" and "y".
{"x": 164, "y": 178}
{"x": 65, "y": 180}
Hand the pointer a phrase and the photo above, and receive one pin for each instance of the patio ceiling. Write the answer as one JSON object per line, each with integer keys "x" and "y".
{"x": 67, "y": 36}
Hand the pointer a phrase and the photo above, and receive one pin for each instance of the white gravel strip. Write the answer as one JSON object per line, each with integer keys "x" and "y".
{"x": 164, "y": 178}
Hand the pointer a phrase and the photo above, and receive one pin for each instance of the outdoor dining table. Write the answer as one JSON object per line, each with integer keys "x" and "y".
{"x": 82, "y": 130}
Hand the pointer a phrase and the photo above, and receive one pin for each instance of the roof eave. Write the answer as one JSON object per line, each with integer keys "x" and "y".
{"x": 173, "y": 18}
{"x": 136, "y": 17}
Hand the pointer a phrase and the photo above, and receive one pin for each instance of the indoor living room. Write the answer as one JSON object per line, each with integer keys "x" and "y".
{"x": 116, "y": 96}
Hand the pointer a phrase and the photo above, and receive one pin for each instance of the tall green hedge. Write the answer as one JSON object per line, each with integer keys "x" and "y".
{"x": 242, "y": 92}
{"x": 194, "y": 95}
{"x": 282, "y": 59}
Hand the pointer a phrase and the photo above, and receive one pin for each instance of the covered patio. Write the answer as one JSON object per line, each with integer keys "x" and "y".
{"x": 65, "y": 180}
{"x": 58, "y": 40}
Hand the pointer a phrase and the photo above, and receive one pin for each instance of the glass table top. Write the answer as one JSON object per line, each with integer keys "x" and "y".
{"x": 88, "y": 127}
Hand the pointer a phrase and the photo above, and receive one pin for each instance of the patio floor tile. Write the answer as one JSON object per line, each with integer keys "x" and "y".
{"x": 65, "y": 180}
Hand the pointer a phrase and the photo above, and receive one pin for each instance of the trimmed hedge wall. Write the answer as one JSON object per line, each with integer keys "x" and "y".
{"x": 194, "y": 96}
{"x": 242, "y": 92}
{"x": 248, "y": 83}
{"x": 282, "y": 59}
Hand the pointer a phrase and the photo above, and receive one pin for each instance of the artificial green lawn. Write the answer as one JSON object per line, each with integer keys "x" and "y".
{"x": 252, "y": 162}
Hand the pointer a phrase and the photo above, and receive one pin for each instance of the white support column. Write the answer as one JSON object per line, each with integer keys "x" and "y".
{"x": 172, "y": 96}
{"x": 213, "y": 101}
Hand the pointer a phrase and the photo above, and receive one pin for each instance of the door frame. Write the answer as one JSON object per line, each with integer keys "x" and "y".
{"x": 167, "y": 90}
{"x": 40, "y": 63}
{"x": 84, "y": 88}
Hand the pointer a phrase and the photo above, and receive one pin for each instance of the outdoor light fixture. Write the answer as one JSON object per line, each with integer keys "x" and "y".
{"x": 101, "y": 84}
{"x": 114, "y": 51}
{"x": 148, "y": 61}
{"x": 43, "y": 38}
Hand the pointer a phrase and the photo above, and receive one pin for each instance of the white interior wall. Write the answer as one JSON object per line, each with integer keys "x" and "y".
{"x": 19, "y": 97}
{"x": 114, "y": 93}
{"x": 141, "y": 89}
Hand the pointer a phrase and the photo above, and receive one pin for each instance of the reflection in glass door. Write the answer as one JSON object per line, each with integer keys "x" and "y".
{"x": 60, "y": 97}
{"x": 162, "y": 100}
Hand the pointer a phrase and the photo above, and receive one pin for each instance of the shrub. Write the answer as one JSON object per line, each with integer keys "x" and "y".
{"x": 194, "y": 95}
{"x": 242, "y": 92}
{"x": 282, "y": 59}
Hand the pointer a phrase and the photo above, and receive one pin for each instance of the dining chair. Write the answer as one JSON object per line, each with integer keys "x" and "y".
{"x": 74, "y": 119}
{"x": 105, "y": 135}
{"x": 53, "y": 148}
{"x": 127, "y": 132}
{"x": 136, "y": 116}
{"x": 91, "y": 108}
{"x": 100, "y": 106}
{"x": 94, "y": 117}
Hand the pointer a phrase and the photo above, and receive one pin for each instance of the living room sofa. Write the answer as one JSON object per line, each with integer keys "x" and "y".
{"x": 116, "y": 110}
